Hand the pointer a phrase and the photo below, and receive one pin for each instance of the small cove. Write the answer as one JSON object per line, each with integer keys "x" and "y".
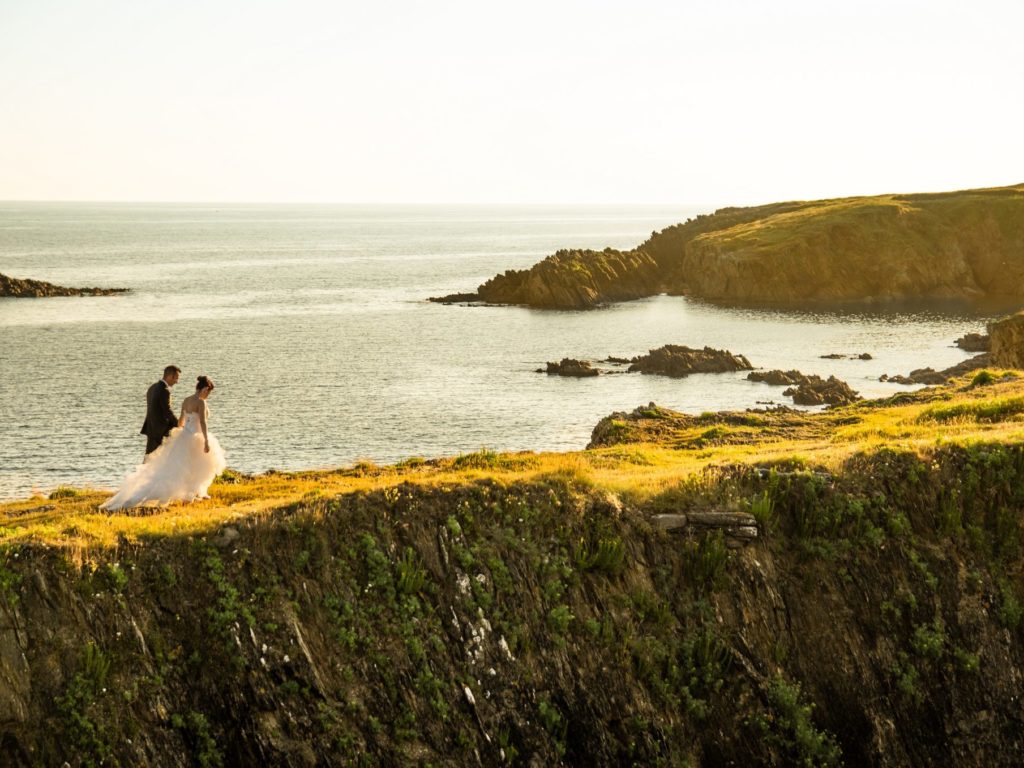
{"x": 314, "y": 323}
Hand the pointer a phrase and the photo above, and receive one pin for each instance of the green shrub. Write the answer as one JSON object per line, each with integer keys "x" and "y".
{"x": 608, "y": 557}
{"x": 63, "y": 492}
{"x": 790, "y": 728}
{"x": 482, "y": 459}
{"x": 196, "y": 729}
{"x": 559, "y": 619}
{"x": 411, "y": 577}
{"x": 704, "y": 561}
{"x": 762, "y": 507}
{"x": 982, "y": 378}
{"x": 1010, "y": 610}
{"x": 929, "y": 641}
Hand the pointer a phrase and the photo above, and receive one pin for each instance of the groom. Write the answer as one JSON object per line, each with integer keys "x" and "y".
{"x": 160, "y": 419}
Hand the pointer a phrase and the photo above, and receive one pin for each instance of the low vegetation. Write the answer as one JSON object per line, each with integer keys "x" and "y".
{"x": 518, "y": 608}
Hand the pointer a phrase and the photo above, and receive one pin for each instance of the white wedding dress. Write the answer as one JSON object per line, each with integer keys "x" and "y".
{"x": 179, "y": 470}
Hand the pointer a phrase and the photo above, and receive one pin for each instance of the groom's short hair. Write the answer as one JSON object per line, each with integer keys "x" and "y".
{"x": 172, "y": 369}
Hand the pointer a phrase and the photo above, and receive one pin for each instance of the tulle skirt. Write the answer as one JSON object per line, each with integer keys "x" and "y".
{"x": 179, "y": 470}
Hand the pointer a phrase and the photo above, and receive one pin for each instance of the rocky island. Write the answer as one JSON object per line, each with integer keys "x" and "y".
{"x": 13, "y": 287}
{"x": 958, "y": 245}
{"x": 748, "y": 588}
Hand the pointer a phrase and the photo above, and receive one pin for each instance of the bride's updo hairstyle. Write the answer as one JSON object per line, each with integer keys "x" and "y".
{"x": 203, "y": 382}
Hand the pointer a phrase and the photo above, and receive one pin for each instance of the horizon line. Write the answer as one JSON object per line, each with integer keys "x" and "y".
{"x": 495, "y": 203}
{"x": 5, "y": 201}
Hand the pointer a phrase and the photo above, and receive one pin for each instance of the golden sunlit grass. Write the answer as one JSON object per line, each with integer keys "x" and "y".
{"x": 796, "y": 222}
{"x": 655, "y": 454}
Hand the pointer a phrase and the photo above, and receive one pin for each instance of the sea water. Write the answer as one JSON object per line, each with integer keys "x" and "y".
{"x": 313, "y": 322}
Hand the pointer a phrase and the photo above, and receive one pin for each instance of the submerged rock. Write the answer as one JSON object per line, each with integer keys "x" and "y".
{"x": 678, "y": 361}
{"x": 456, "y": 298}
{"x": 841, "y": 356}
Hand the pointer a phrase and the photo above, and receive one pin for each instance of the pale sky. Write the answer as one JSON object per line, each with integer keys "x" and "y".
{"x": 681, "y": 101}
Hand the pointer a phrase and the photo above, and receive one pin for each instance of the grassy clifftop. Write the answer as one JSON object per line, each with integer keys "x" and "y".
{"x": 524, "y": 609}
{"x": 967, "y": 245}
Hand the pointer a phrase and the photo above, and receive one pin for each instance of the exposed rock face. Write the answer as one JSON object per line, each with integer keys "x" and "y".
{"x": 973, "y": 342}
{"x": 678, "y": 361}
{"x": 360, "y": 629}
{"x": 817, "y": 391}
{"x": 576, "y": 280}
{"x": 17, "y": 288}
{"x": 1007, "y": 337}
{"x": 964, "y": 245}
{"x": 571, "y": 367}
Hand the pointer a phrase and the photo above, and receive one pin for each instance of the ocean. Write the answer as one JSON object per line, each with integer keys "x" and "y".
{"x": 313, "y": 322}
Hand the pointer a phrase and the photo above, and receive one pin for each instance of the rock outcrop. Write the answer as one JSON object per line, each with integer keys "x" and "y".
{"x": 961, "y": 245}
{"x": 808, "y": 389}
{"x": 931, "y": 377}
{"x": 13, "y": 287}
{"x": 574, "y": 279}
{"x": 679, "y": 361}
{"x": 570, "y": 367}
{"x": 974, "y": 342}
{"x": 777, "y": 378}
{"x": 1007, "y": 341}
{"x": 815, "y": 390}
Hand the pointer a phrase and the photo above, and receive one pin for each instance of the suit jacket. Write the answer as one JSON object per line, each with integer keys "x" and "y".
{"x": 160, "y": 419}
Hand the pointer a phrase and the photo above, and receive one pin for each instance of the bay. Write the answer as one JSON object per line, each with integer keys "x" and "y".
{"x": 313, "y": 322}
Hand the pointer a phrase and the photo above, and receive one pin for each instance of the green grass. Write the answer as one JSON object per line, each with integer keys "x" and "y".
{"x": 999, "y": 409}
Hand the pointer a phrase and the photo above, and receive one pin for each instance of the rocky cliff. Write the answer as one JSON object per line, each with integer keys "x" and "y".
{"x": 961, "y": 245}
{"x": 874, "y": 620}
{"x": 576, "y": 279}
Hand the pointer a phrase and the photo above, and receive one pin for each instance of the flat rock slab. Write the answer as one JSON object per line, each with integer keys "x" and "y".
{"x": 739, "y": 528}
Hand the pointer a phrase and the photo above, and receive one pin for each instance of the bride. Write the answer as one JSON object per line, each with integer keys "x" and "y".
{"x": 183, "y": 467}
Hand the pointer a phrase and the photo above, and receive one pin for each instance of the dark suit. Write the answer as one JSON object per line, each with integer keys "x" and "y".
{"x": 160, "y": 419}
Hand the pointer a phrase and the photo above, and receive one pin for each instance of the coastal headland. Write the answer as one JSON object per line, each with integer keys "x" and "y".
{"x": 966, "y": 245}
{"x": 18, "y": 288}
{"x": 754, "y": 588}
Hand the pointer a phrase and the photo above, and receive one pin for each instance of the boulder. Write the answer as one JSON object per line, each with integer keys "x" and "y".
{"x": 677, "y": 361}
